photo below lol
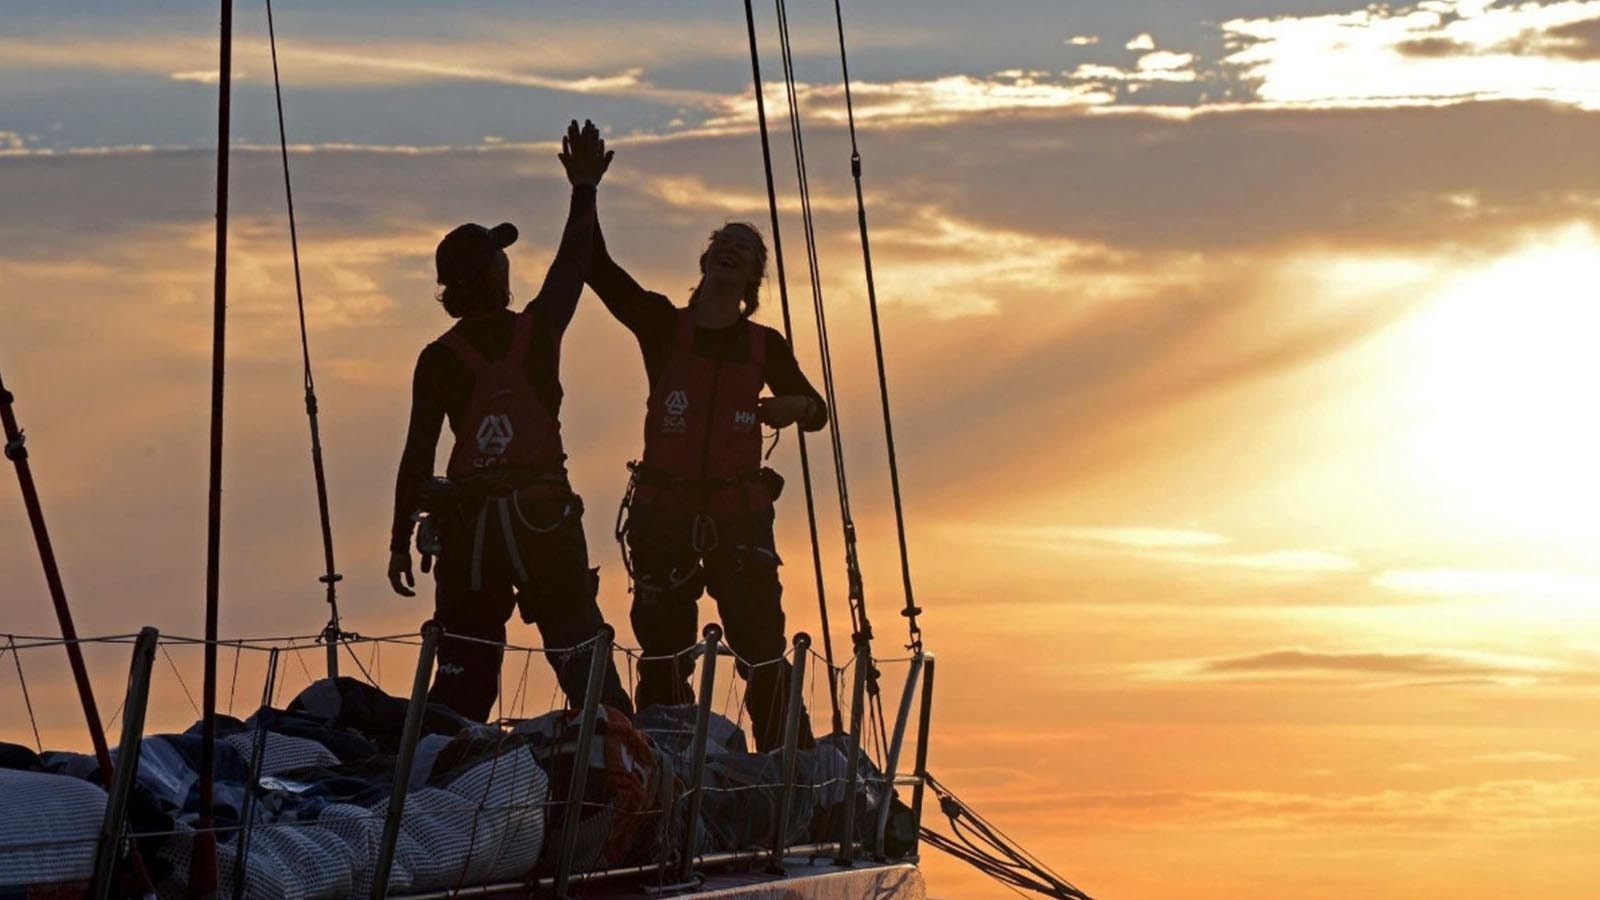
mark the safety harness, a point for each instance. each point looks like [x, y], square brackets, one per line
[702, 440]
[507, 451]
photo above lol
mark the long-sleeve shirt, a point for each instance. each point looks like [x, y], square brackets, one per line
[442, 384]
[652, 318]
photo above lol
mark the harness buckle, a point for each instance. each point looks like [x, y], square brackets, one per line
[428, 541]
[703, 534]
[15, 450]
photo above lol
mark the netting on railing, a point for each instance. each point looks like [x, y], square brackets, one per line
[306, 782]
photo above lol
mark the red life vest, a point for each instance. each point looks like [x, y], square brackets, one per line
[701, 428]
[505, 423]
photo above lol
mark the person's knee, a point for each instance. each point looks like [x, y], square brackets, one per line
[480, 621]
[564, 603]
[747, 587]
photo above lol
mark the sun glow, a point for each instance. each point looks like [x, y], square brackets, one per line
[1500, 396]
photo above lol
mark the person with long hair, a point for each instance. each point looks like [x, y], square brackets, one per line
[700, 505]
[504, 523]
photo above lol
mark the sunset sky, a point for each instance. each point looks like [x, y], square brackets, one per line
[1241, 354]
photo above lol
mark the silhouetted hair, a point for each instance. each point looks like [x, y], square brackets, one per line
[485, 292]
[752, 292]
[474, 274]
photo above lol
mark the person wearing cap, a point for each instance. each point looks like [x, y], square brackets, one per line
[699, 513]
[504, 523]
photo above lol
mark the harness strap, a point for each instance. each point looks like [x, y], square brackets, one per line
[440, 493]
[758, 346]
[477, 362]
[520, 335]
[650, 476]
[511, 540]
[476, 576]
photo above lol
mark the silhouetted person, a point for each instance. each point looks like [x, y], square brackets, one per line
[509, 529]
[701, 516]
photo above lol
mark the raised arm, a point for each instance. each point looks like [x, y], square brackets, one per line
[640, 311]
[416, 465]
[584, 156]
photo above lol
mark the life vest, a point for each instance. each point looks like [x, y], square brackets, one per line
[505, 424]
[701, 433]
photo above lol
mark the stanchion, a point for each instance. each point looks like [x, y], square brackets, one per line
[599, 656]
[923, 725]
[330, 641]
[863, 662]
[697, 749]
[106, 853]
[892, 763]
[258, 747]
[791, 740]
[431, 632]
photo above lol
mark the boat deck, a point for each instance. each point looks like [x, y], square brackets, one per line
[804, 878]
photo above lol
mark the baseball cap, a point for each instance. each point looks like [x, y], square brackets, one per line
[467, 251]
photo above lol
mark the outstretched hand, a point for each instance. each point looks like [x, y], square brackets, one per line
[584, 154]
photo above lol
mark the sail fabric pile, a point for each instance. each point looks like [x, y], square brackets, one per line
[475, 804]
[47, 836]
[480, 800]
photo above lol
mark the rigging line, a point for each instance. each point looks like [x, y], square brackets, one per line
[176, 673]
[856, 587]
[788, 333]
[233, 683]
[819, 309]
[363, 669]
[978, 819]
[116, 714]
[203, 875]
[330, 576]
[300, 658]
[911, 610]
[1014, 863]
[1006, 878]
[22, 680]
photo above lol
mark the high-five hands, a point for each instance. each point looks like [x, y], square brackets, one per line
[584, 154]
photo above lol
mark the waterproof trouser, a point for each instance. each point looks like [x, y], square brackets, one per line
[529, 556]
[739, 569]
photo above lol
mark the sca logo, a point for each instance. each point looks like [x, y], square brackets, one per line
[676, 404]
[494, 435]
